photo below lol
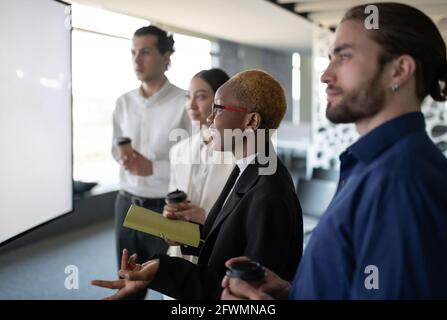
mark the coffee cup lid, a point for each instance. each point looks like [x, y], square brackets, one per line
[123, 140]
[246, 270]
[176, 196]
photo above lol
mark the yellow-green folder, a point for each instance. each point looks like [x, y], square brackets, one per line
[148, 221]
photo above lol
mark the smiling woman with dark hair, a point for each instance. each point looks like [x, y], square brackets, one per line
[257, 215]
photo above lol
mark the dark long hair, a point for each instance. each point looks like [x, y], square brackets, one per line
[214, 77]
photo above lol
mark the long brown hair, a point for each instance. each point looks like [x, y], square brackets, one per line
[406, 30]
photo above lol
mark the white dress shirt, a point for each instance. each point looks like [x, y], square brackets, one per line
[199, 173]
[149, 123]
[242, 165]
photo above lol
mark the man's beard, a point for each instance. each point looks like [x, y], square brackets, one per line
[359, 104]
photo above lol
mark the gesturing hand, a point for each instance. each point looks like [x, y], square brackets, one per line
[135, 277]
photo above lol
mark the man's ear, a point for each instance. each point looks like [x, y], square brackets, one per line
[402, 69]
[253, 120]
[167, 59]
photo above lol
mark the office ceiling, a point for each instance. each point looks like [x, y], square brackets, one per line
[328, 13]
[252, 22]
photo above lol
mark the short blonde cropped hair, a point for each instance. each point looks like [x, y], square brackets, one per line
[259, 92]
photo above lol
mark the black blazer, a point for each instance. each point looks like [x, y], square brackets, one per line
[261, 219]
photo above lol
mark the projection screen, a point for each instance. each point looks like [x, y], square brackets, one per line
[35, 114]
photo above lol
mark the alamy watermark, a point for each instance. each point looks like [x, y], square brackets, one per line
[72, 280]
[262, 141]
[372, 278]
[372, 20]
[67, 21]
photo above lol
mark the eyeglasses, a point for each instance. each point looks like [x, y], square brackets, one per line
[218, 108]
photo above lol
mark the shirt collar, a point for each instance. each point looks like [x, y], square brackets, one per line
[244, 162]
[157, 95]
[371, 145]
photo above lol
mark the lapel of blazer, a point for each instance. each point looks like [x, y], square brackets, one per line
[217, 207]
[214, 184]
[246, 181]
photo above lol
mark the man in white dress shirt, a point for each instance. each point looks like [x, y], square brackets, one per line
[147, 116]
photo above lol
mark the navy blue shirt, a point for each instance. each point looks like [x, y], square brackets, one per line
[384, 235]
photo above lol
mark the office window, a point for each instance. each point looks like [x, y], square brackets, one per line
[320, 65]
[102, 71]
[191, 55]
[296, 86]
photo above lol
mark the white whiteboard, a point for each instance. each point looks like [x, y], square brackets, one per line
[35, 114]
